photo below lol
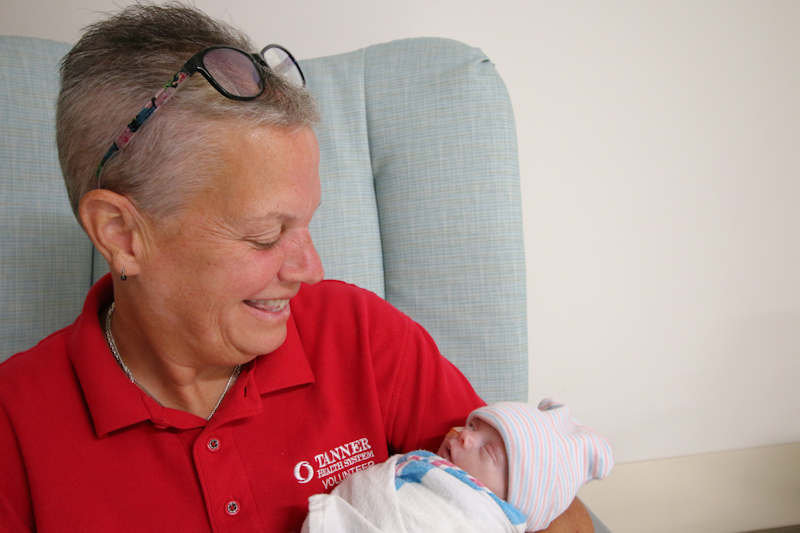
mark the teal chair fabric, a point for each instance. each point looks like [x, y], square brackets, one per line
[430, 125]
[45, 258]
[420, 200]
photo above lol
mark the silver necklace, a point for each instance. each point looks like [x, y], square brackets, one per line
[124, 367]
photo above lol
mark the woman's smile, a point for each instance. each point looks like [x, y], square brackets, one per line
[271, 306]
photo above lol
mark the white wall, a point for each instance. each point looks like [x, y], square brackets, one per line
[661, 189]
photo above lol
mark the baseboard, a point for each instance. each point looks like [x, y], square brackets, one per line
[790, 529]
[726, 492]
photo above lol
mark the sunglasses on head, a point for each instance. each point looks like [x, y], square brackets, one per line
[234, 73]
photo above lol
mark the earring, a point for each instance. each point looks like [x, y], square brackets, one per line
[123, 277]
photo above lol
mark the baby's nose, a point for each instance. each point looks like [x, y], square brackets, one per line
[466, 438]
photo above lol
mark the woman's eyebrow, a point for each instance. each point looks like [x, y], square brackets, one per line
[271, 215]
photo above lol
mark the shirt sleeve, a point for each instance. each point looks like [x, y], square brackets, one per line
[426, 394]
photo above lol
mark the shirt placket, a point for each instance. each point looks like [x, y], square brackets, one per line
[229, 499]
[225, 481]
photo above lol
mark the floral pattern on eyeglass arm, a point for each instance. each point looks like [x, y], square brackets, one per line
[141, 117]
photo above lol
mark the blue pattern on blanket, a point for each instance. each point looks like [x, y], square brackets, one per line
[413, 466]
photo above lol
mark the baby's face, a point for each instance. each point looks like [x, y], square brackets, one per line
[478, 449]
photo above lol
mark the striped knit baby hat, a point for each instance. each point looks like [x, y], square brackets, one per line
[550, 456]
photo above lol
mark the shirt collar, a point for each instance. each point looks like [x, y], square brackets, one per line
[114, 404]
[285, 367]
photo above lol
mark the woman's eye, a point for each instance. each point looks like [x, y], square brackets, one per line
[264, 245]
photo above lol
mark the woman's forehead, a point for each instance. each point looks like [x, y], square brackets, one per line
[267, 174]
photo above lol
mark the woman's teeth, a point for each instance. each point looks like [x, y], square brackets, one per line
[273, 306]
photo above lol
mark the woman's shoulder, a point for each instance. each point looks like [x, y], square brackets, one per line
[341, 306]
[35, 367]
[333, 286]
[339, 296]
[36, 356]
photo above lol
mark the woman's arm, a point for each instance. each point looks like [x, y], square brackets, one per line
[575, 519]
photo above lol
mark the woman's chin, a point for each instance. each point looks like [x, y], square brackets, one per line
[260, 331]
[260, 344]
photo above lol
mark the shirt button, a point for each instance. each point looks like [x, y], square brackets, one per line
[232, 507]
[213, 445]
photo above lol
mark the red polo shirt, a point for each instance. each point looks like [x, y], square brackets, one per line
[84, 449]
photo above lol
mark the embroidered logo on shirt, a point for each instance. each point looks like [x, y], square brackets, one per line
[303, 471]
[337, 464]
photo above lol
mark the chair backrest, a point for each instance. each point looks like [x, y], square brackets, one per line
[420, 199]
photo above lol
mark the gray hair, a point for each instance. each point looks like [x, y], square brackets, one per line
[117, 66]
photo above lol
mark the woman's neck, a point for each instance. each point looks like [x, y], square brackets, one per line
[171, 380]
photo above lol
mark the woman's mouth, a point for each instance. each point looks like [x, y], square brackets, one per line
[270, 306]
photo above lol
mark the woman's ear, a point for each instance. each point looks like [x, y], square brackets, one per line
[114, 225]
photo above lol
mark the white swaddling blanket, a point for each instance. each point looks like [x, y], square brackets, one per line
[415, 492]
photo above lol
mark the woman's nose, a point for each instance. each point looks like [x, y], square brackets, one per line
[302, 262]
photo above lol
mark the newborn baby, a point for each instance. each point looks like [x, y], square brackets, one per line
[512, 467]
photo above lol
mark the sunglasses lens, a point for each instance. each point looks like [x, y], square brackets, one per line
[233, 71]
[283, 64]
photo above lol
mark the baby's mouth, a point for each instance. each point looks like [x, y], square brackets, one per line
[447, 454]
